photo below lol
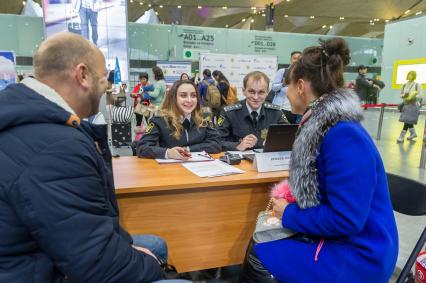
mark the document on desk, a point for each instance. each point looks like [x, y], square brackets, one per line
[195, 157]
[215, 168]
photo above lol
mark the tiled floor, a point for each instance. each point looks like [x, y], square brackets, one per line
[402, 159]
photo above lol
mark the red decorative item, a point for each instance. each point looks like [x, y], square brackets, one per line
[282, 190]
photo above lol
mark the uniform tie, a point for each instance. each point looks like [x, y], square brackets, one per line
[186, 124]
[254, 115]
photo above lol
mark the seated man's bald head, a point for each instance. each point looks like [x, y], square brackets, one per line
[61, 52]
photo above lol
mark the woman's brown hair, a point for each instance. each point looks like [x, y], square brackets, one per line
[171, 113]
[322, 65]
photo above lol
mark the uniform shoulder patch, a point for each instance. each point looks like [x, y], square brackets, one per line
[149, 127]
[271, 106]
[232, 107]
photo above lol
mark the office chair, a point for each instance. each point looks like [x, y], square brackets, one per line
[408, 197]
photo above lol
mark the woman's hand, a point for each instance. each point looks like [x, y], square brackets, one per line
[179, 153]
[279, 207]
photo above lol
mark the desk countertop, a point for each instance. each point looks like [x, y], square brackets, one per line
[132, 175]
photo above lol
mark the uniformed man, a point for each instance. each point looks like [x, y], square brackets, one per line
[245, 124]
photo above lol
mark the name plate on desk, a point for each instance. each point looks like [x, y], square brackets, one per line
[272, 161]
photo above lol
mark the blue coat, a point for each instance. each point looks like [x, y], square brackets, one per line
[58, 211]
[354, 217]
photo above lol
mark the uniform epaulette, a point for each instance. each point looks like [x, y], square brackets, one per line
[235, 106]
[271, 106]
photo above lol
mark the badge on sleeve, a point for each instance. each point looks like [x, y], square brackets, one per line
[264, 133]
[149, 128]
[220, 120]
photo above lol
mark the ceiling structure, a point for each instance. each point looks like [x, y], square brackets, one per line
[365, 18]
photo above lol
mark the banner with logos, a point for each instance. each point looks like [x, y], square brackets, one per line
[235, 67]
[173, 69]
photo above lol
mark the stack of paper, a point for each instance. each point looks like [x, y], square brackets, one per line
[212, 169]
[195, 157]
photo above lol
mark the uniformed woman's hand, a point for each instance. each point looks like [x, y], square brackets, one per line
[178, 152]
[248, 141]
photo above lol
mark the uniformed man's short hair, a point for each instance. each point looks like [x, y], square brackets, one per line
[255, 75]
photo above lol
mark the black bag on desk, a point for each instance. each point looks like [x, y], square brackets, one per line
[121, 134]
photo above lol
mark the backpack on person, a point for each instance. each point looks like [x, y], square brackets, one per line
[213, 97]
[232, 97]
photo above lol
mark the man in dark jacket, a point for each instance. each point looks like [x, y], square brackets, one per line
[59, 214]
[362, 85]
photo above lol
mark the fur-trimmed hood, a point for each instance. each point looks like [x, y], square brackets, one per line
[341, 105]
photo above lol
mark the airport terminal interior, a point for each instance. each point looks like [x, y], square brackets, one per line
[247, 135]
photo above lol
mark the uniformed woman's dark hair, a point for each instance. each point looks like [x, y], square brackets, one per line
[171, 113]
[322, 65]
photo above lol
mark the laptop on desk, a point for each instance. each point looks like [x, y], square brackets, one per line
[280, 137]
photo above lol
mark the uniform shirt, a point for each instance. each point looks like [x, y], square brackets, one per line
[235, 122]
[159, 137]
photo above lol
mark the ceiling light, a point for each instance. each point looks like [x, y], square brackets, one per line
[161, 6]
[149, 5]
[253, 8]
[418, 13]
[312, 17]
[285, 16]
[371, 24]
[324, 26]
[224, 7]
[406, 12]
[156, 13]
[243, 20]
[263, 15]
[330, 27]
[288, 0]
[141, 3]
[131, 1]
[341, 18]
[179, 6]
[371, 21]
[252, 20]
[227, 26]
[23, 3]
[199, 7]
[387, 21]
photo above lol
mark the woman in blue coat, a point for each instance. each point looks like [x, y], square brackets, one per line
[343, 214]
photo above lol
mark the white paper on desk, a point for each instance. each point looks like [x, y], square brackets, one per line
[212, 169]
[195, 157]
[241, 153]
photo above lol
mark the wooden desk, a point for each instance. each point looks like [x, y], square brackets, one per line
[207, 222]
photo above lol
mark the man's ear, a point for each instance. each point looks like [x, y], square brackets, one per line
[82, 75]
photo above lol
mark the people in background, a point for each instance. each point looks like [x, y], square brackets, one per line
[245, 124]
[362, 84]
[156, 92]
[60, 220]
[143, 81]
[184, 77]
[279, 89]
[88, 12]
[179, 128]
[343, 216]
[222, 84]
[411, 94]
[204, 83]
